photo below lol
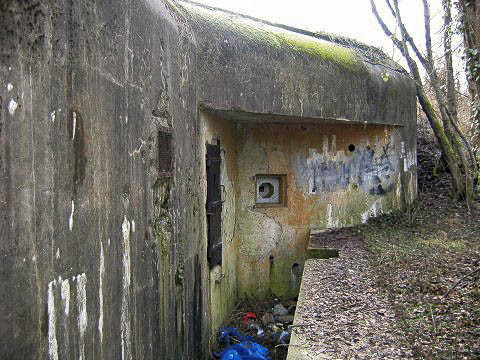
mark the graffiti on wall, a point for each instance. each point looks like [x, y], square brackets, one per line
[374, 170]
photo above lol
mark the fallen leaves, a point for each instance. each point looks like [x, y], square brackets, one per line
[346, 314]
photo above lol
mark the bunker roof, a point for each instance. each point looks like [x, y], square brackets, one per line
[247, 65]
[279, 38]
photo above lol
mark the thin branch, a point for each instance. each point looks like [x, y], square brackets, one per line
[447, 43]
[462, 94]
[435, 81]
[402, 29]
[411, 63]
[467, 145]
[385, 28]
[428, 37]
[429, 64]
[433, 320]
[459, 281]
[407, 35]
[391, 8]
[256, 312]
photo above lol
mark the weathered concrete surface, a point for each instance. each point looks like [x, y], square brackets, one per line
[328, 186]
[255, 67]
[98, 258]
[223, 279]
[255, 71]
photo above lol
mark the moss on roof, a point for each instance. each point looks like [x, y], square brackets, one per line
[350, 55]
[344, 57]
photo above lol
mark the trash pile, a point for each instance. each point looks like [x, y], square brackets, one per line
[256, 330]
[245, 349]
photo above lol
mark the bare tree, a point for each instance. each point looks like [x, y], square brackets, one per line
[455, 148]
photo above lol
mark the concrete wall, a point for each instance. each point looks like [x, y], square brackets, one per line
[99, 258]
[223, 279]
[251, 72]
[327, 186]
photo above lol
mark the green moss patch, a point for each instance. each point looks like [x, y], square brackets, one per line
[341, 56]
[212, 22]
[321, 253]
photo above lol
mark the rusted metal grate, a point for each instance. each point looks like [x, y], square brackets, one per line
[165, 153]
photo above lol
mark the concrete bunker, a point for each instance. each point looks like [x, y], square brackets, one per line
[324, 122]
[298, 152]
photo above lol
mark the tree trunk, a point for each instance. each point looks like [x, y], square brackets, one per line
[459, 183]
[470, 10]
[447, 44]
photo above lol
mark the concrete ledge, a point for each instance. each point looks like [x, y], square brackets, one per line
[319, 252]
[340, 311]
[297, 349]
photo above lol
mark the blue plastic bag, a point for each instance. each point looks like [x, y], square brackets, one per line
[225, 333]
[246, 350]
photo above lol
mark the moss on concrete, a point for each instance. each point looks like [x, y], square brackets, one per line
[339, 55]
[162, 221]
[357, 202]
[392, 93]
[161, 239]
[280, 270]
[213, 22]
[321, 253]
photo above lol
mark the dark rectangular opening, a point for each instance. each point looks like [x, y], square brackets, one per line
[214, 205]
[165, 152]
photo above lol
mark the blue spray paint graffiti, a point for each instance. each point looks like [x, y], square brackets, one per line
[374, 173]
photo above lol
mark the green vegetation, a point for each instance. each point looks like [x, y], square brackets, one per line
[162, 222]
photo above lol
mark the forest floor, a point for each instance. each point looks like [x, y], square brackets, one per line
[425, 260]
